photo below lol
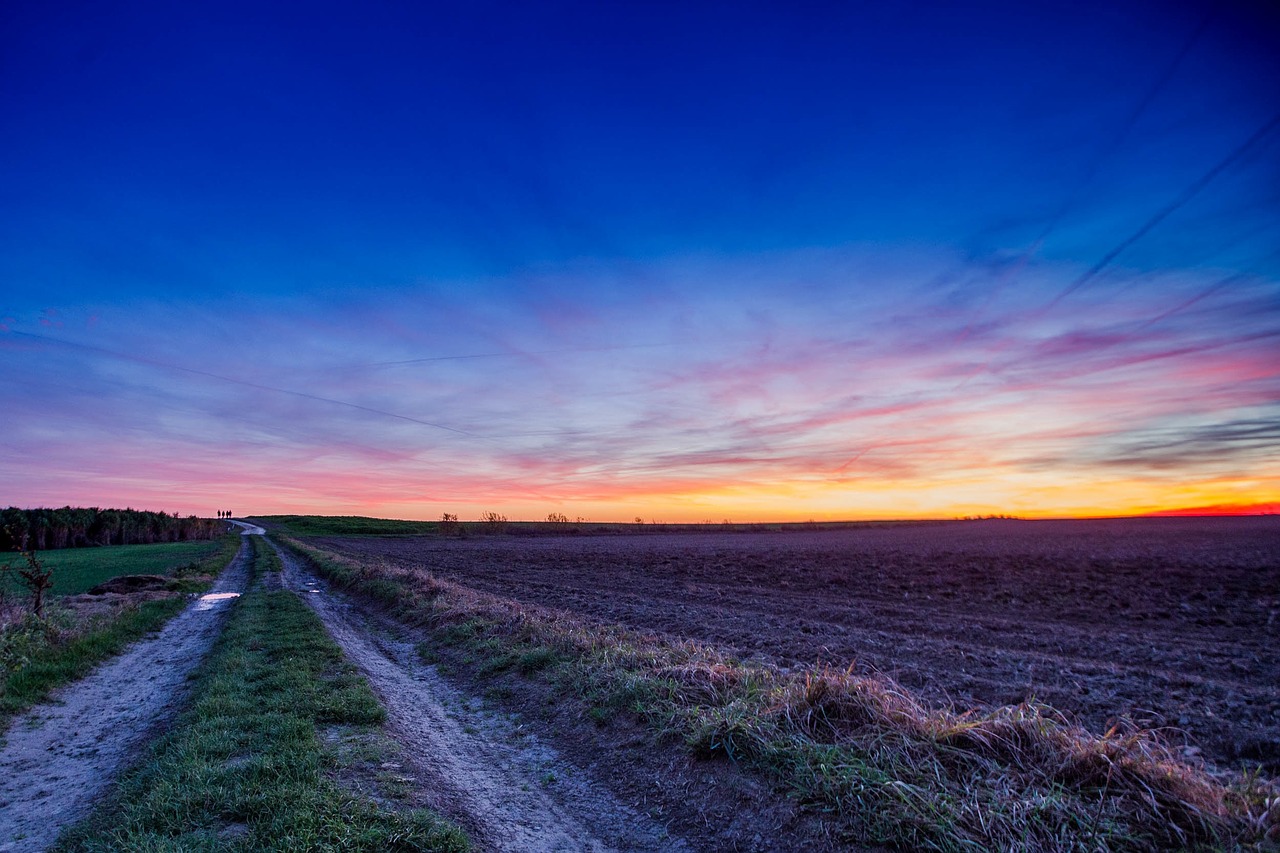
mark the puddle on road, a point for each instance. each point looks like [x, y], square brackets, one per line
[213, 599]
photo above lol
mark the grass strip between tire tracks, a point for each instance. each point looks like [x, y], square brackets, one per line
[38, 657]
[245, 768]
[884, 768]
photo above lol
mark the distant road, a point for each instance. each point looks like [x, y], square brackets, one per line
[248, 529]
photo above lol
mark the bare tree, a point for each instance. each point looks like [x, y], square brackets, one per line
[494, 522]
[38, 579]
[35, 575]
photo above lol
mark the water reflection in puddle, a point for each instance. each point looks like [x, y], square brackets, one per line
[213, 599]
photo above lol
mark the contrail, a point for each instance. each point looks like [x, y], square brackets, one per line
[1195, 188]
[517, 354]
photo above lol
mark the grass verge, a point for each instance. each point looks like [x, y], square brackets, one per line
[884, 768]
[245, 767]
[37, 657]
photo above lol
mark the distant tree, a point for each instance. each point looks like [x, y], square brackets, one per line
[449, 525]
[495, 522]
[558, 518]
[74, 527]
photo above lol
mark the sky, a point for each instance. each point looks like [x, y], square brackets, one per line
[676, 262]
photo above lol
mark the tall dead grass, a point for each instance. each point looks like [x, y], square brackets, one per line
[888, 769]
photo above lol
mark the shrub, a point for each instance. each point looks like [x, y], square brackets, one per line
[494, 522]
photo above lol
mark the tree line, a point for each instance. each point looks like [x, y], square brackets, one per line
[79, 527]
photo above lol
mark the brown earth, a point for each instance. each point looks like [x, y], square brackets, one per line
[1171, 623]
[125, 584]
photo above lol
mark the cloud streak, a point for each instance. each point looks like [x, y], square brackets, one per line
[849, 399]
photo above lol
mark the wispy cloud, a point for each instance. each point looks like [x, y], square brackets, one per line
[730, 385]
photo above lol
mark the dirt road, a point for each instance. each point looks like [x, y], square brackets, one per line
[511, 792]
[247, 529]
[61, 756]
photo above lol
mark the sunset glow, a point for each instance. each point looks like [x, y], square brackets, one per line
[788, 272]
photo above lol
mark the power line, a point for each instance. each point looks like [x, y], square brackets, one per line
[1126, 126]
[1102, 155]
[1194, 189]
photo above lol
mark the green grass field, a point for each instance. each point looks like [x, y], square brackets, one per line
[349, 525]
[356, 525]
[77, 569]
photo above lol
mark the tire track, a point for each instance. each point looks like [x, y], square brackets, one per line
[59, 757]
[518, 797]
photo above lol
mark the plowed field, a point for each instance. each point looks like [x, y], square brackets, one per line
[1169, 622]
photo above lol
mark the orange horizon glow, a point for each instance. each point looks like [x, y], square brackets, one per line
[775, 503]
[1220, 510]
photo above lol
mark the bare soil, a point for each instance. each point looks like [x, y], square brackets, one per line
[58, 758]
[1168, 622]
[509, 789]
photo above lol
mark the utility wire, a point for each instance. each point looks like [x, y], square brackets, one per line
[1194, 189]
[1126, 126]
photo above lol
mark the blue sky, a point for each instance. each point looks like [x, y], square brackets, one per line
[671, 260]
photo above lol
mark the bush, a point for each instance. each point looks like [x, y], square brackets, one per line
[494, 523]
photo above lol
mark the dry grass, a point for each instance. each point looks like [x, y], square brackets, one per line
[885, 768]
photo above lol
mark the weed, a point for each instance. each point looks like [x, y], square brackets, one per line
[498, 693]
[426, 654]
[536, 659]
[496, 663]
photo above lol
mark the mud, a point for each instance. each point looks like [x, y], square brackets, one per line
[58, 758]
[511, 791]
[126, 584]
[1171, 623]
